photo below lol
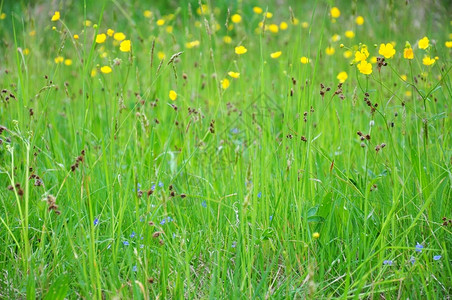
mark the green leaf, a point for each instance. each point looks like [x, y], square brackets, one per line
[58, 289]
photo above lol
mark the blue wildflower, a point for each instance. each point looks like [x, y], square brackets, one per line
[204, 204]
[125, 243]
[138, 186]
[234, 244]
[153, 187]
[163, 222]
[412, 260]
[271, 217]
[133, 234]
[419, 247]
[259, 194]
[388, 262]
[134, 268]
[160, 184]
[235, 130]
[96, 221]
[437, 257]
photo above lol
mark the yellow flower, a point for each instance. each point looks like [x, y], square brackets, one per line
[359, 20]
[257, 10]
[428, 61]
[147, 13]
[283, 25]
[305, 25]
[448, 44]
[161, 55]
[269, 15]
[192, 44]
[364, 67]
[26, 51]
[204, 9]
[336, 37]
[361, 55]
[172, 95]
[329, 50]
[32, 33]
[87, 23]
[59, 59]
[408, 53]
[56, 16]
[225, 83]
[349, 34]
[348, 53]
[373, 60]
[105, 69]
[275, 54]
[53, 28]
[294, 21]
[119, 36]
[273, 28]
[2, 16]
[125, 46]
[93, 72]
[404, 77]
[100, 38]
[316, 235]
[234, 74]
[342, 76]
[76, 37]
[169, 29]
[68, 62]
[407, 94]
[423, 43]
[387, 50]
[335, 12]
[104, 54]
[304, 60]
[240, 50]
[160, 22]
[227, 39]
[236, 18]
[110, 32]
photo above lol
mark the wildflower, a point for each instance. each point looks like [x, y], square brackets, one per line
[412, 260]
[257, 10]
[234, 74]
[96, 221]
[335, 12]
[240, 50]
[93, 72]
[273, 28]
[105, 69]
[349, 34]
[304, 25]
[269, 15]
[271, 217]
[387, 50]
[125, 46]
[364, 67]
[53, 28]
[316, 235]
[27, 51]
[32, 33]
[342, 76]
[110, 32]
[227, 39]
[225, 83]
[160, 22]
[437, 257]
[119, 36]
[161, 183]
[348, 53]
[172, 96]
[133, 234]
[407, 94]
[404, 77]
[419, 247]
[361, 55]
[295, 21]
[423, 43]
[100, 38]
[59, 59]
[161, 55]
[428, 61]
[67, 62]
[304, 60]
[259, 195]
[275, 54]
[204, 204]
[56, 16]
[203, 9]
[76, 37]
[134, 268]
[329, 50]
[169, 29]
[236, 18]
[408, 53]
[373, 60]
[87, 23]
[192, 44]
[336, 37]
[125, 243]
[234, 244]
[2, 16]
[388, 262]
[147, 14]
[448, 44]
[283, 25]
[359, 20]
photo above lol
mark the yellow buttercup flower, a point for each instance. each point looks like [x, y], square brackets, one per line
[105, 69]
[448, 44]
[161, 55]
[275, 54]
[408, 53]
[348, 53]
[236, 18]
[330, 51]
[100, 38]
[336, 37]
[147, 13]
[234, 74]
[125, 46]
[56, 16]
[428, 61]
[373, 60]
[423, 43]
[362, 54]
[257, 10]
[387, 50]
[172, 95]
[335, 12]
[225, 83]
[110, 32]
[240, 50]
[59, 59]
[269, 15]
[349, 34]
[316, 235]
[160, 22]
[273, 28]
[68, 62]
[169, 29]
[192, 44]
[404, 77]
[87, 23]
[227, 39]
[283, 25]
[304, 60]
[342, 76]
[119, 36]
[359, 20]
[304, 25]
[76, 37]
[365, 68]
[2, 16]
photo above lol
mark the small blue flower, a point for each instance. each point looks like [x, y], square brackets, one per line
[138, 186]
[125, 243]
[96, 221]
[134, 268]
[259, 194]
[204, 204]
[388, 262]
[133, 234]
[419, 247]
[141, 246]
[160, 184]
[153, 187]
[109, 246]
[271, 217]
[234, 244]
[235, 130]
[163, 222]
[412, 260]
[437, 257]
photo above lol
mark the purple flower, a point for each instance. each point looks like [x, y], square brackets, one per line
[259, 194]
[388, 262]
[419, 247]
[96, 221]
[204, 204]
[437, 257]
[153, 187]
[133, 234]
[125, 243]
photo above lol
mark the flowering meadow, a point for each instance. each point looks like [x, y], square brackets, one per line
[225, 149]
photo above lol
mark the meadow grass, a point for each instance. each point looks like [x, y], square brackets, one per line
[140, 167]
